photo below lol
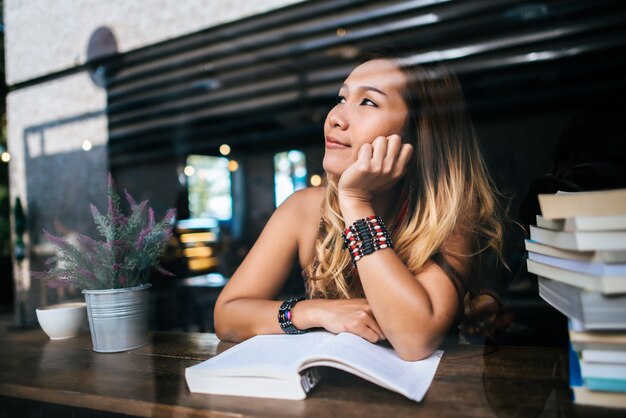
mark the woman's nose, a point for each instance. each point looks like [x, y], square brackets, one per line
[337, 119]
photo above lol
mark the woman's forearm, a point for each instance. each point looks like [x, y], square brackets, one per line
[243, 318]
[401, 305]
[240, 319]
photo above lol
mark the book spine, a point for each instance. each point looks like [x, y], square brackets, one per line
[582, 340]
[608, 385]
[575, 375]
[584, 396]
[595, 203]
[309, 378]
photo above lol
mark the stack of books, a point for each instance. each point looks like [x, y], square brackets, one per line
[578, 251]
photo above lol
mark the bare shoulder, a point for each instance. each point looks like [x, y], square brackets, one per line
[305, 209]
[305, 203]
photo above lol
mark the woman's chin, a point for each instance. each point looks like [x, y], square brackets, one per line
[331, 166]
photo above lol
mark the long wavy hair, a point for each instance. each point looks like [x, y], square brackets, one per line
[446, 191]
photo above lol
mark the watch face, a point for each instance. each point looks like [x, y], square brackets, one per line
[284, 316]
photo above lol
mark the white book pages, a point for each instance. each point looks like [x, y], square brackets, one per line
[580, 241]
[378, 364]
[584, 223]
[286, 366]
[611, 257]
[603, 370]
[277, 356]
[605, 356]
[595, 269]
[603, 284]
[589, 310]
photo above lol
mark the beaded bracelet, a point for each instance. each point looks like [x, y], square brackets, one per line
[284, 316]
[365, 236]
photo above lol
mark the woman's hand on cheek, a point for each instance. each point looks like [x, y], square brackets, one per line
[378, 167]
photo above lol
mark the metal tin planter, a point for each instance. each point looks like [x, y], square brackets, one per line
[118, 318]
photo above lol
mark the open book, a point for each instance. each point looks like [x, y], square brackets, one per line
[286, 366]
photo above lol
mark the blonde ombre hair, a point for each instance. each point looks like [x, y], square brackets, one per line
[446, 192]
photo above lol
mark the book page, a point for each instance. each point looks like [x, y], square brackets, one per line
[264, 355]
[378, 364]
[585, 267]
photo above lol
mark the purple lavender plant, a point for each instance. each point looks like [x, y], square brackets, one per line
[131, 248]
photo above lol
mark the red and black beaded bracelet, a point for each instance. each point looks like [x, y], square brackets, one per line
[365, 236]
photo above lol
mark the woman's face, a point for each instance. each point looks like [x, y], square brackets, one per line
[370, 104]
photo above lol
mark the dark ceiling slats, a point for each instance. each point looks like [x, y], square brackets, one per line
[271, 78]
[300, 39]
[291, 27]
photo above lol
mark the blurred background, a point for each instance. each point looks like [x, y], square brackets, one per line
[217, 108]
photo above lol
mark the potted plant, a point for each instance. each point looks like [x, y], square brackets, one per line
[113, 273]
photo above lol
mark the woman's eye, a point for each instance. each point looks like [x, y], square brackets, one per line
[341, 99]
[368, 102]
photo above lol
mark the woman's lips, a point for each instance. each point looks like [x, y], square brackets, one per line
[332, 143]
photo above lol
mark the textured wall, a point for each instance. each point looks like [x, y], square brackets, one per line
[44, 36]
[51, 173]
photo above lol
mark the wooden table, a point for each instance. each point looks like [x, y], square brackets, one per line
[66, 378]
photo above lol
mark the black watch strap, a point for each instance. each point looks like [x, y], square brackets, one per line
[284, 316]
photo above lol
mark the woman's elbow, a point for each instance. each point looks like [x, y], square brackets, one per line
[414, 349]
[223, 330]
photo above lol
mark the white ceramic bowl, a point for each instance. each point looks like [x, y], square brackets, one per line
[63, 320]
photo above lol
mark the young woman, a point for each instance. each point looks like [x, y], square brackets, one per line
[399, 146]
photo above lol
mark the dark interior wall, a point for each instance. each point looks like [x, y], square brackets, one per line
[518, 148]
[157, 182]
[258, 172]
[259, 186]
[258, 178]
[315, 156]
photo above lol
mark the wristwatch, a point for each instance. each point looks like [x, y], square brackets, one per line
[284, 316]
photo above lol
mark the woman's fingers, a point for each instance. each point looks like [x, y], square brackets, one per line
[364, 325]
[369, 334]
[394, 144]
[365, 157]
[373, 325]
[354, 316]
[368, 330]
[403, 159]
[379, 153]
[378, 166]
